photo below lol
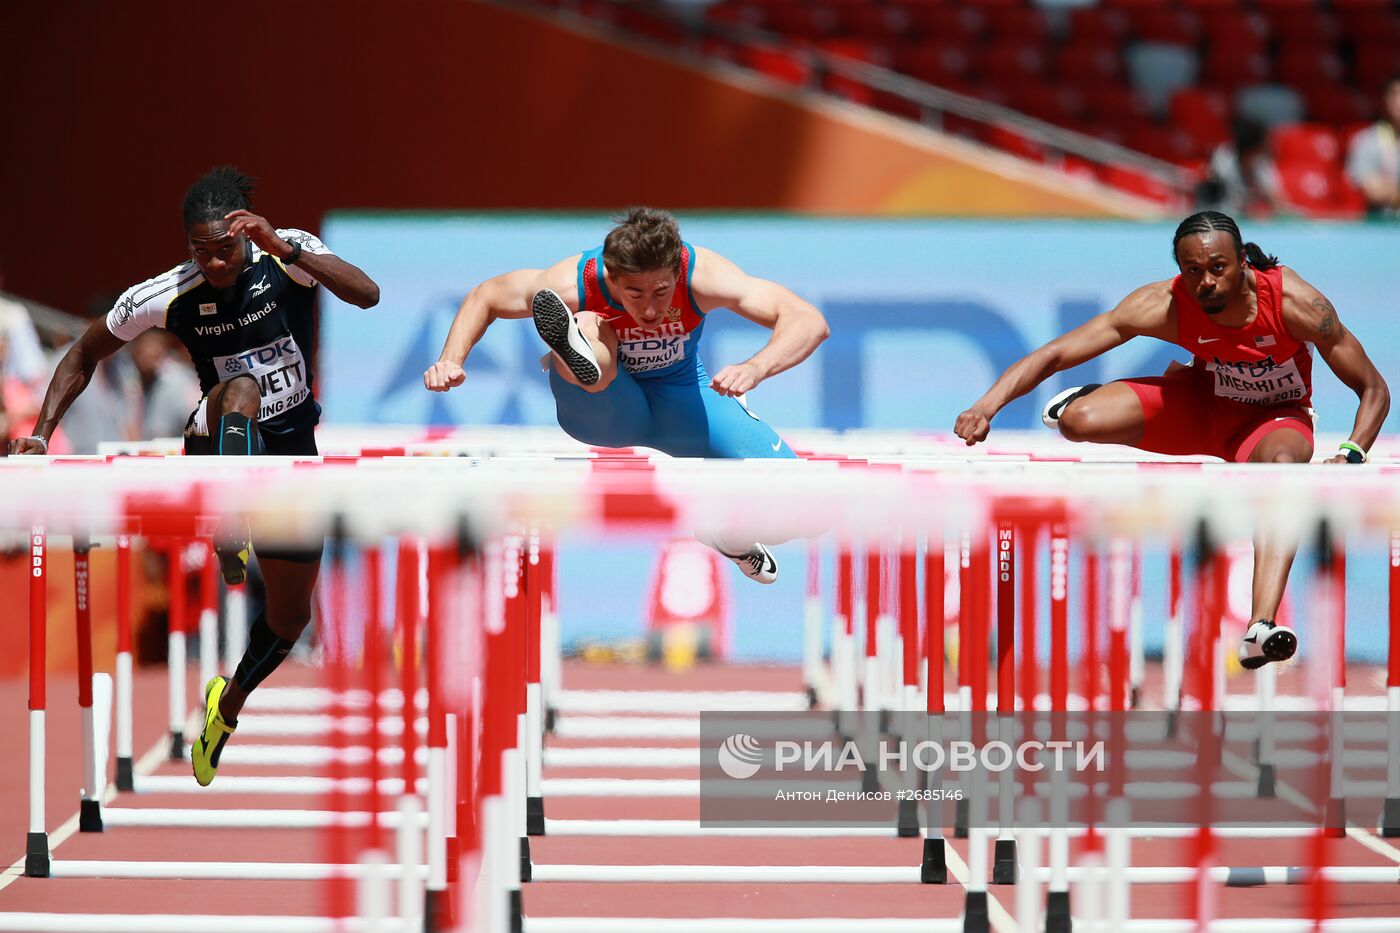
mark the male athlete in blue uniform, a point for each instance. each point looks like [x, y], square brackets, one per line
[624, 321]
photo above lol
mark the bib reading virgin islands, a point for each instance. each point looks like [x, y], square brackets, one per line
[262, 327]
[1260, 364]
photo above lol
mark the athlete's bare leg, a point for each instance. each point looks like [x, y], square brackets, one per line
[1111, 414]
[603, 339]
[1273, 550]
[289, 587]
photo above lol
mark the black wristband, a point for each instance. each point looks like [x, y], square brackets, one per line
[296, 252]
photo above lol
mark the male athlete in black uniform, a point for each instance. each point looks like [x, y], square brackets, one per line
[242, 305]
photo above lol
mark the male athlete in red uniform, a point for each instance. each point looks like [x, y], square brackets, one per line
[1244, 397]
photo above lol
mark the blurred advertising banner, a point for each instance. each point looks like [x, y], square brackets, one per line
[924, 314]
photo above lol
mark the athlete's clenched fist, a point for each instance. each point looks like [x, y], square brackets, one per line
[443, 375]
[972, 426]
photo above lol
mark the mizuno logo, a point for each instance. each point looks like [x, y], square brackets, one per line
[237, 432]
[1207, 339]
[258, 289]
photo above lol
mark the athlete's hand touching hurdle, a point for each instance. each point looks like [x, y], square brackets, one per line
[972, 426]
[442, 376]
[737, 379]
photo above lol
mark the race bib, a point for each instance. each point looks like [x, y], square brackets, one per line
[640, 351]
[280, 371]
[1264, 382]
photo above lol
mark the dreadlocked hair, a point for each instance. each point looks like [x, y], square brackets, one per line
[215, 193]
[1210, 221]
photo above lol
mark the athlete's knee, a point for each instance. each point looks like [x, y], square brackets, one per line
[1081, 420]
[1285, 455]
[289, 625]
[242, 395]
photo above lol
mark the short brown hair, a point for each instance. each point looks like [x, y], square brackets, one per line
[646, 239]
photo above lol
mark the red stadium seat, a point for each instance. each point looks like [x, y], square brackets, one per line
[799, 20]
[1135, 182]
[870, 21]
[1373, 64]
[1097, 23]
[1017, 24]
[777, 62]
[1165, 24]
[948, 24]
[1370, 24]
[1013, 142]
[1304, 23]
[1319, 190]
[1305, 64]
[1061, 106]
[1011, 63]
[1116, 104]
[1086, 62]
[1337, 104]
[1305, 144]
[1160, 142]
[939, 64]
[1203, 114]
[1226, 69]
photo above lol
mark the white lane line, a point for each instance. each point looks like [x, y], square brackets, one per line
[143, 766]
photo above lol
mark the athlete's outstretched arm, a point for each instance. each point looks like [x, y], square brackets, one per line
[70, 377]
[505, 296]
[1310, 316]
[798, 327]
[344, 280]
[1144, 312]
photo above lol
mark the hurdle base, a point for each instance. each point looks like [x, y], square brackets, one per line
[870, 781]
[126, 775]
[1390, 818]
[934, 869]
[1171, 724]
[517, 912]
[907, 825]
[534, 816]
[960, 818]
[527, 867]
[883, 726]
[437, 911]
[90, 816]
[177, 745]
[812, 698]
[975, 916]
[36, 855]
[550, 717]
[1057, 918]
[1004, 862]
[1268, 780]
[1334, 821]
[1134, 697]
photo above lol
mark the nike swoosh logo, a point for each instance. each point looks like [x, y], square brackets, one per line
[778, 446]
[1204, 340]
